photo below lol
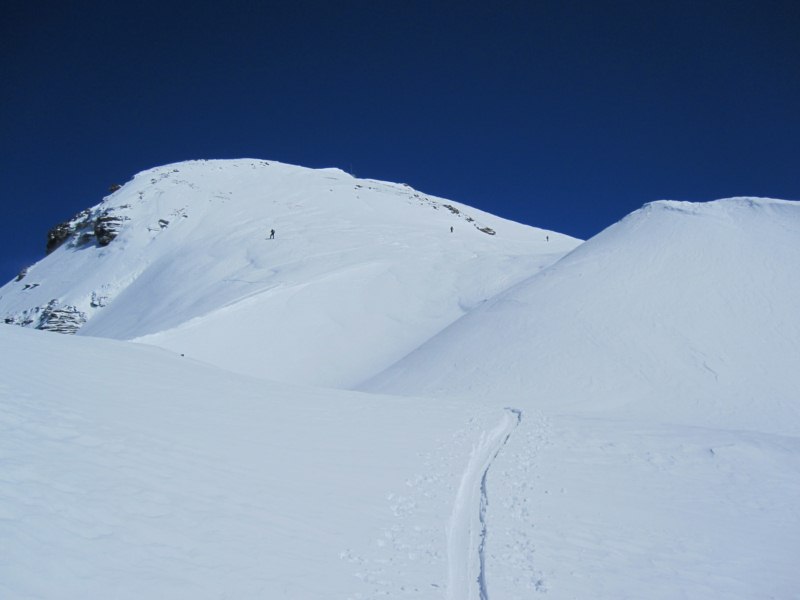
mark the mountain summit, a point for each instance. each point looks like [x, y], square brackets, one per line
[359, 273]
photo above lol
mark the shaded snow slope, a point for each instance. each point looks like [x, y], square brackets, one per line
[360, 272]
[684, 311]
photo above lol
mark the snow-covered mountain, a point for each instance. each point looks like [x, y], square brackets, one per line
[617, 418]
[360, 272]
[686, 311]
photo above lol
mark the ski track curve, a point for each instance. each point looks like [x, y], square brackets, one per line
[467, 532]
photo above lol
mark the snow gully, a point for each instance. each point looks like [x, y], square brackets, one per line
[467, 532]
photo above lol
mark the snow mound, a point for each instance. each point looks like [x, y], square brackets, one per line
[681, 310]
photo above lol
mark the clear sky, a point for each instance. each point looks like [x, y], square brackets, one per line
[565, 114]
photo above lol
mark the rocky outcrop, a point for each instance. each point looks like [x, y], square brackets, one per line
[61, 319]
[23, 319]
[26, 318]
[99, 300]
[53, 316]
[58, 235]
[107, 227]
[76, 227]
[87, 227]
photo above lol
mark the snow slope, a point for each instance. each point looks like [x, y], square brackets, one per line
[361, 272]
[683, 312]
[130, 472]
[622, 423]
[657, 370]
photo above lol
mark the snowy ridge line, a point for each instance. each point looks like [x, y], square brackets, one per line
[467, 532]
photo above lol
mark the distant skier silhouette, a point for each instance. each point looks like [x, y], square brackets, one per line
[451, 229]
[272, 234]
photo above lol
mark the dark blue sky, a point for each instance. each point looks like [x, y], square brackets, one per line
[564, 115]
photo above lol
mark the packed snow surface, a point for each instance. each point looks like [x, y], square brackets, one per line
[129, 472]
[615, 419]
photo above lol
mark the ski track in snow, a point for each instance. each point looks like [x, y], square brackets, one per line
[467, 533]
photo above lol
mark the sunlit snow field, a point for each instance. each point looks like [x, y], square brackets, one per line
[372, 405]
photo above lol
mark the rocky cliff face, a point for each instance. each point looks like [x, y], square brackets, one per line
[107, 227]
[88, 226]
[75, 227]
[92, 226]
